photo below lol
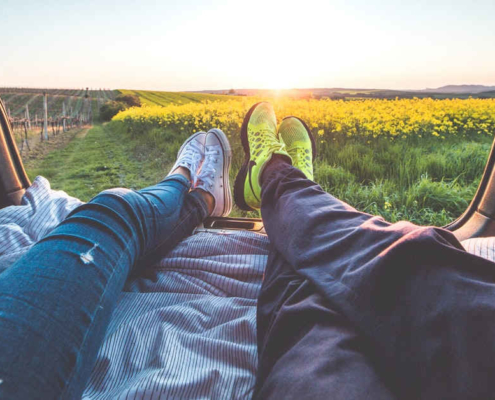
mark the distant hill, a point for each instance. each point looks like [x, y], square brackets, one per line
[460, 89]
[488, 94]
[445, 92]
[299, 93]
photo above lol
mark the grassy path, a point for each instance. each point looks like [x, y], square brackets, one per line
[85, 162]
[95, 160]
[38, 149]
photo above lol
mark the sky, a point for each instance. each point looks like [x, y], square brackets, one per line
[219, 44]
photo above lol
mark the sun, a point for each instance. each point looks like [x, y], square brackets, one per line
[278, 80]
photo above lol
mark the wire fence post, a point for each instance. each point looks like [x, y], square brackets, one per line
[27, 116]
[25, 139]
[45, 108]
[63, 116]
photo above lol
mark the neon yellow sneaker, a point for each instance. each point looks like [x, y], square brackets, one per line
[299, 143]
[260, 142]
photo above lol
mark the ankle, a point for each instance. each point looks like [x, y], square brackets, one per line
[183, 171]
[209, 200]
[277, 161]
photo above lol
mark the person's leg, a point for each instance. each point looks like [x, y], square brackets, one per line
[306, 349]
[56, 301]
[423, 307]
[413, 312]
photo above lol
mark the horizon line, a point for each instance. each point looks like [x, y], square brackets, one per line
[244, 88]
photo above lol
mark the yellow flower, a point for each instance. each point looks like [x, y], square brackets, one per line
[365, 118]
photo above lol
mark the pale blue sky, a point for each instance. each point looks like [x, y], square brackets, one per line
[219, 44]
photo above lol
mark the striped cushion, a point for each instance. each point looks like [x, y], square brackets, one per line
[482, 247]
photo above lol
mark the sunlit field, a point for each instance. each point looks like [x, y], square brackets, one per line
[418, 159]
[154, 98]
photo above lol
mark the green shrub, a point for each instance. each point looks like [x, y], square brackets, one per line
[110, 109]
[130, 99]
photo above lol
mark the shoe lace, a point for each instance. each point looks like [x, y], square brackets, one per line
[271, 143]
[276, 146]
[192, 157]
[207, 175]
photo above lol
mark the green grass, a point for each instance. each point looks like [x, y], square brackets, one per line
[165, 98]
[427, 182]
[98, 161]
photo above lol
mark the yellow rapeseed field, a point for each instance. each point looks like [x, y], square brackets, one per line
[414, 159]
[328, 119]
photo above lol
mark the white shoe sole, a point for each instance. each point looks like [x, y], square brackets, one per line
[227, 159]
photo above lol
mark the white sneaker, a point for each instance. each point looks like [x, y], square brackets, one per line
[191, 155]
[214, 175]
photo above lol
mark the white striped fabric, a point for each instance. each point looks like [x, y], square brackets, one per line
[483, 247]
[184, 328]
[40, 211]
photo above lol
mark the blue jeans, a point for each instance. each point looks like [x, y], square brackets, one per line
[57, 300]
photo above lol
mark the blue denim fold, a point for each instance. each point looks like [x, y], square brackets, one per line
[57, 300]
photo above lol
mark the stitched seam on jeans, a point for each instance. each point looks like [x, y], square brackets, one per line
[198, 200]
[171, 233]
[71, 376]
[181, 201]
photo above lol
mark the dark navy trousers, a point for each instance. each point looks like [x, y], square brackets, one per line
[353, 307]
